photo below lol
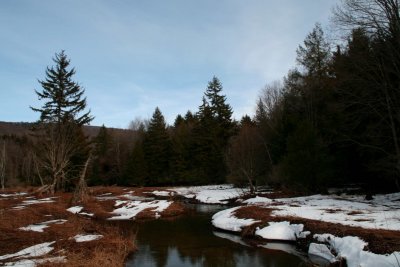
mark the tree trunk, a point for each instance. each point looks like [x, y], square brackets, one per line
[81, 191]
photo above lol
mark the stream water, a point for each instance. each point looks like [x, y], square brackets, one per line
[190, 240]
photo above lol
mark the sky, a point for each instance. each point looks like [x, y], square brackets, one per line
[131, 56]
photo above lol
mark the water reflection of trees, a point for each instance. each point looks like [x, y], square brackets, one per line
[190, 242]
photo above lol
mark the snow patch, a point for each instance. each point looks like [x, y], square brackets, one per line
[17, 194]
[225, 220]
[258, 200]
[132, 208]
[351, 248]
[75, 209]
[86, 238]
[282, 231]
[38, 201]
[162, 193]
[33, 251]
[34, 262]
[38, 227]
[214, 194]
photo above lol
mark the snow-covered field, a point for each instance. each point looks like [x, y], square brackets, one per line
[226, 220]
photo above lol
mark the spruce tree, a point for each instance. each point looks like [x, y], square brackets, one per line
[156, 148]
[63, 97]
[217, 102]
[212, 134]
[61, 146]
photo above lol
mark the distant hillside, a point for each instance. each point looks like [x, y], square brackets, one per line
[23, 128]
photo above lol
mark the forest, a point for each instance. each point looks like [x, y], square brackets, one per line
[333, 120]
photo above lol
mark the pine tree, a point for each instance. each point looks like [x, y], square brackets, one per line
[314, 56]
[219, 108]
[61, 146]
[102, 167]
[64, 97]
[156, 149]
[212, 134]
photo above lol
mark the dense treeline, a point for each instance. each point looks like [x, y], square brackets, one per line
[333, 120]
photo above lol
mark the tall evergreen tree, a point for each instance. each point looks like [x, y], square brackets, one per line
[103, 167]
[211, 134]
[62, 147]
[157, 150]
[63, 97]
[314, 56]
[221, 111]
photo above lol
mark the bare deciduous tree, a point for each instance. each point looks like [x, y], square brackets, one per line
[246, 161]
[55, 150]
[374, 16]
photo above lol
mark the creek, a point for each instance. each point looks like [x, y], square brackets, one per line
[190, 240]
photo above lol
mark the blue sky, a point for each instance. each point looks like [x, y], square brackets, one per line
[134, 55]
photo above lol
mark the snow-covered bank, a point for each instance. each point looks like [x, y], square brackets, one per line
[380, 213]
[226, 220]
[283, 231]
[210, 194]
[351, 249]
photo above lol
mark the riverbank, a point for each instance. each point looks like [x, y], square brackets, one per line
[37, 230]
[336, 228]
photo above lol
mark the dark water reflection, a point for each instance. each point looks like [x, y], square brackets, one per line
[190, 241]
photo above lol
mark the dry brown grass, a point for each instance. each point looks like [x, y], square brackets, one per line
[111, 250]
[115, 190]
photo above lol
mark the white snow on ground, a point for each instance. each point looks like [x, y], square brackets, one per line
[78, 210]
[75, 209]
[381, 213]
[227, 221]
[211, 194]
[258, 200]
[34, 227]
[38, 201]
[132, 208]
[282, 231]
[33, 251]
[40, 226]
[162, 193]
[32, 201]
[17, 194]
[351, 248]
[86, 238]
[34, 262]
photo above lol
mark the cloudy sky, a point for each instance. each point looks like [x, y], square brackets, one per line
[134, 55]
